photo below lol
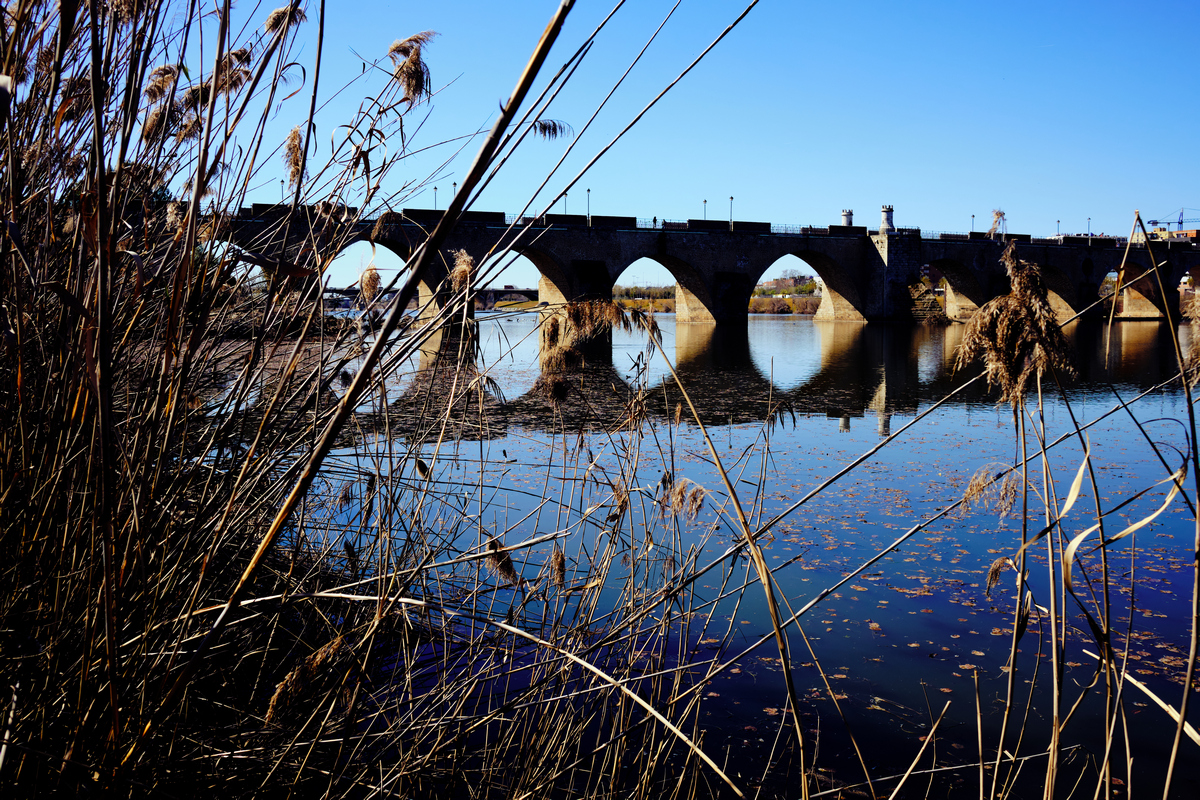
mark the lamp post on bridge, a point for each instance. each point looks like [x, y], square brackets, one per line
[972, 223]
[589, 206]
[564, 203]
[1058, 227]
[730, 212]
[706, 209]
[454, 188]
[435, 198]
[1089, 226]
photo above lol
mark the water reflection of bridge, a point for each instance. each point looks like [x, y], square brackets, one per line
[863, 370]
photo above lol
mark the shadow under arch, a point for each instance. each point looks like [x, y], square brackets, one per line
[1068, 297]
[554, 288]
[841, 297]
[965, 293]
[694, 301]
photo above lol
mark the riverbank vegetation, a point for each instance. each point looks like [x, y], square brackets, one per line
[250, 554]
[758, 305]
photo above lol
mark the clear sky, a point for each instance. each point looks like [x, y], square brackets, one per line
[1049, 111]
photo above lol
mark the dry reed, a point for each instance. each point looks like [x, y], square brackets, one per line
[300, 680]
[1017, 335]
[161, 400]
[409, 66]
[500, 563]
[462, 274]
[993, 487]
[369, 284]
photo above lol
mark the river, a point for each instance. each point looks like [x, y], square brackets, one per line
[788, 404]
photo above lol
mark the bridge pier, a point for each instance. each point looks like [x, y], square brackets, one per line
[959, 307]
[1145, 301]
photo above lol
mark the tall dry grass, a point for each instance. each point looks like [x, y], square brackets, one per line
[198, 596]
[237, 555]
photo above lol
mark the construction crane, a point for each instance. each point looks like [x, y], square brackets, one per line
[1179, 222]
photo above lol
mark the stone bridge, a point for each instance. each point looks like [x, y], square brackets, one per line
[717, 264]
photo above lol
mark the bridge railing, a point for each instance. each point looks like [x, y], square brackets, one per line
[643, 223]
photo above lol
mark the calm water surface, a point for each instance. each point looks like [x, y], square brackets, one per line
[789, 402]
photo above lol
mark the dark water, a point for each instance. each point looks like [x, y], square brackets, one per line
[788, 403]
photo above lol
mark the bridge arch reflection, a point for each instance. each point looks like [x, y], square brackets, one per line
[853, 371]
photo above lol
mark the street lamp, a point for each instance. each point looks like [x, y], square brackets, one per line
[281, 190]
[1089, 226]
[706, 209]
[730, 212]
[589, 206]
[564, 202]
[972, 223]
[1058, 227]
[435, 198]
[454, 186]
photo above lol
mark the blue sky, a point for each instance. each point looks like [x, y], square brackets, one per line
[1050, 111]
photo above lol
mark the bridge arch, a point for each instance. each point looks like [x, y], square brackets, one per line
[554, 287]
[965, 293]
[390, 256]
[841, 297]
[694, 301]
[1068, 297]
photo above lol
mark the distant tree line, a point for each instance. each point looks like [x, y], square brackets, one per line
[643, 292]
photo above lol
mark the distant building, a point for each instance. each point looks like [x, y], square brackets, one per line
[1161, 234]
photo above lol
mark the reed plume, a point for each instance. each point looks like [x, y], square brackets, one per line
[160, 82]
[410, 70]
[551, 128]
[159, 122]
[685, 497]
[995, 571]
[1191, 312]
[293, 156]
[993, 487]
[1017, 335]
[997, 223]
[300, 679]
[231, 72]
[369, 284]
[499, 562]
[463, 272]
[283, 18]
[558, 567]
